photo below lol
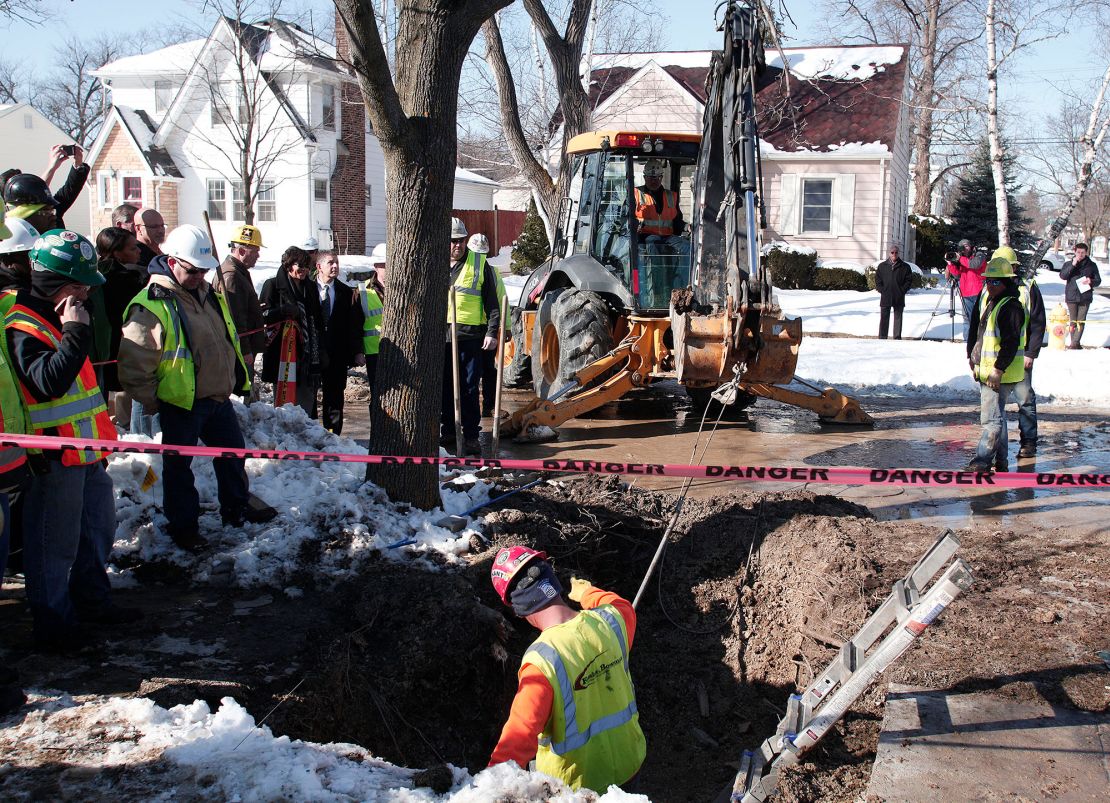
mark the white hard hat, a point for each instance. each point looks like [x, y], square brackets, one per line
[378, 254]
[478, 244]
[653, 168]
[191, 244]
[23, 236]
[310, 244]
[458, 229]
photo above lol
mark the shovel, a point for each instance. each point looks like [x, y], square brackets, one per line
[500, 379]
[457, 523]
[455, 377]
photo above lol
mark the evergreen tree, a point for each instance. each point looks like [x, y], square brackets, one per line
[532, 247]
[976, 214]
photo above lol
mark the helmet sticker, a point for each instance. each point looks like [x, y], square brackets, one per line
[50, 240]
[87, 250]
[68, 236]
[61, 254]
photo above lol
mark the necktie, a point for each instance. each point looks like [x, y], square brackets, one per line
[327, 303]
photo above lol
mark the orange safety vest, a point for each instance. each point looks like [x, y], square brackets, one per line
[655, 221]
[78, 413]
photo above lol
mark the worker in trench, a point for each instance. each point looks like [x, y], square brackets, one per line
[575, 708]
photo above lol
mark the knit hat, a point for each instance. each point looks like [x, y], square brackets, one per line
[538, 588]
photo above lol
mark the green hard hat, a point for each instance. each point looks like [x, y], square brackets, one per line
[69, 254]
[999, 268]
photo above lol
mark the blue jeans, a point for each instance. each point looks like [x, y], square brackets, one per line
[69, 524]
[213, 422]
[470, 380]
[969, 305]
[993, 447]
[1026, 398]
[141, 423]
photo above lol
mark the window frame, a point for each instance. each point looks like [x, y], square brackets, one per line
[238, 204]
[104, 189]
[316, 184]
[830, 231]
[266, 202]
[210, 184]
[162, 102]
[328, 115]
[124, 198]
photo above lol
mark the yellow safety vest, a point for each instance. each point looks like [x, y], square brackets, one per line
[468, 292]
[371, 318]
[177, 374]
[80, 412]
[1015, 371]
[13, 418]
[593, 737]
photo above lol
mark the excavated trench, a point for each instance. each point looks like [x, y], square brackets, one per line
[753, 593]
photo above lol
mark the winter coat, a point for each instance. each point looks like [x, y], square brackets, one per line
[970, 272]
[123, 283]
[893, 281]
[218, 373]
[343, 328]
[1072, 272]
[146, 254]
[65, 197]
[233, 279]
[1034, 332]
[286, 300]
[10, 280]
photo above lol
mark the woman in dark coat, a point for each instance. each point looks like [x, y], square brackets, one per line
[294, 359]
[1082, 277]
[119, 252]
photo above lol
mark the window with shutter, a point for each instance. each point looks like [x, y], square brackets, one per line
[788, 204]
[817, 203]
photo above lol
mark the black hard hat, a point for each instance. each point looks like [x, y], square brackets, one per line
[27, 188]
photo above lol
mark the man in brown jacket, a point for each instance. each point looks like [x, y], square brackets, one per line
[234, 280]
[179, 356]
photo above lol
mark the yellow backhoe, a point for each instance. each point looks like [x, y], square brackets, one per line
[622, 304]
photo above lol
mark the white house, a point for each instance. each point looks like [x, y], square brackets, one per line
[25, 141]
[836, 170]
[184, 116]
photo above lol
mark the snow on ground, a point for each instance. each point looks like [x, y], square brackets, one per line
[326, 502]
[187, 750]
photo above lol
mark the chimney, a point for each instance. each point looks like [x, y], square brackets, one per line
[348, 184]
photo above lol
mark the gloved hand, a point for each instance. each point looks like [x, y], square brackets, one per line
[578, 587]
[994, 380]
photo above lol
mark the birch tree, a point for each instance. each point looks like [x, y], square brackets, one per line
[414, 116]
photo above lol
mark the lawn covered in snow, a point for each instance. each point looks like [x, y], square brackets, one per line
[188, 752]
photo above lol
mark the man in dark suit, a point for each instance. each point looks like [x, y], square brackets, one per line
[342, 340]
[893, 279]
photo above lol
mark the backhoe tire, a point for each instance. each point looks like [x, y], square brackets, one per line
[518, 371]
[573, 328]
[701, 398]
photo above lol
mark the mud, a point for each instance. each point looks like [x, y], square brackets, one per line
[754, 593]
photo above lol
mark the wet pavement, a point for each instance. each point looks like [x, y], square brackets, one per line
[657, 426]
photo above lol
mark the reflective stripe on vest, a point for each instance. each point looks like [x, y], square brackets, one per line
[652, 220]
[13, 418]
[78, 413]
[585, 742]
[176, 373]
[992, 342]
[371, 318]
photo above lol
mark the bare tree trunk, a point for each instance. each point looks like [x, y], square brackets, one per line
[1002, 205]
[1091, 141]
[924, 100]
[414, 118]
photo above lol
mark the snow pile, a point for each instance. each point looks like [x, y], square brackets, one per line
[789, 248]
[837, 63]
[329, 520]
[133, 748]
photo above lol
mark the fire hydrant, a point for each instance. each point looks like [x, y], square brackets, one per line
[1058, 321]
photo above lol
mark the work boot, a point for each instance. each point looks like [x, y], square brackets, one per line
[1028, 450]
[978, 467]
[110, 614]
[188, 538]
[1001, 465]
[472, 446]
[71, 642]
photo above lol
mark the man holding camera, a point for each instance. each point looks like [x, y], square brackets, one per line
[965, 266]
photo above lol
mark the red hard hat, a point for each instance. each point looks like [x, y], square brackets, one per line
[508, 562]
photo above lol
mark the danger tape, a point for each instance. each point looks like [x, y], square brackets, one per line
[830, 475]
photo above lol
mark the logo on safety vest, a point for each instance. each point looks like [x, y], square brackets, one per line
[586, 677]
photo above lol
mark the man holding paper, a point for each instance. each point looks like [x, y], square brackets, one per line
[1081, 275]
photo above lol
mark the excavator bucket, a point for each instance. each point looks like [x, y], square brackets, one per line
[777, 358]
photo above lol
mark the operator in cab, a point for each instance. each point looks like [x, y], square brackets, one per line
[660, 226]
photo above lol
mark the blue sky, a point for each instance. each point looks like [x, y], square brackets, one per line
[1034, 84]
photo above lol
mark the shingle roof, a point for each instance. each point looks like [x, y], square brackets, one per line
[142, 130]
[828, 111]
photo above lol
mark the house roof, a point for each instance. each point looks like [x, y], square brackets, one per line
[175, 59]
[470, 177]
[139, 129]
[845, 99]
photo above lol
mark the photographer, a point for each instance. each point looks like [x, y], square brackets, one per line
[966, 265]
[75, 181]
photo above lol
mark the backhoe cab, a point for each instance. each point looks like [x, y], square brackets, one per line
[627, 299]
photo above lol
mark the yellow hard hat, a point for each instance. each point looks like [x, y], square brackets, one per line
[1006, 253]
[247, 235]
[999, 268]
